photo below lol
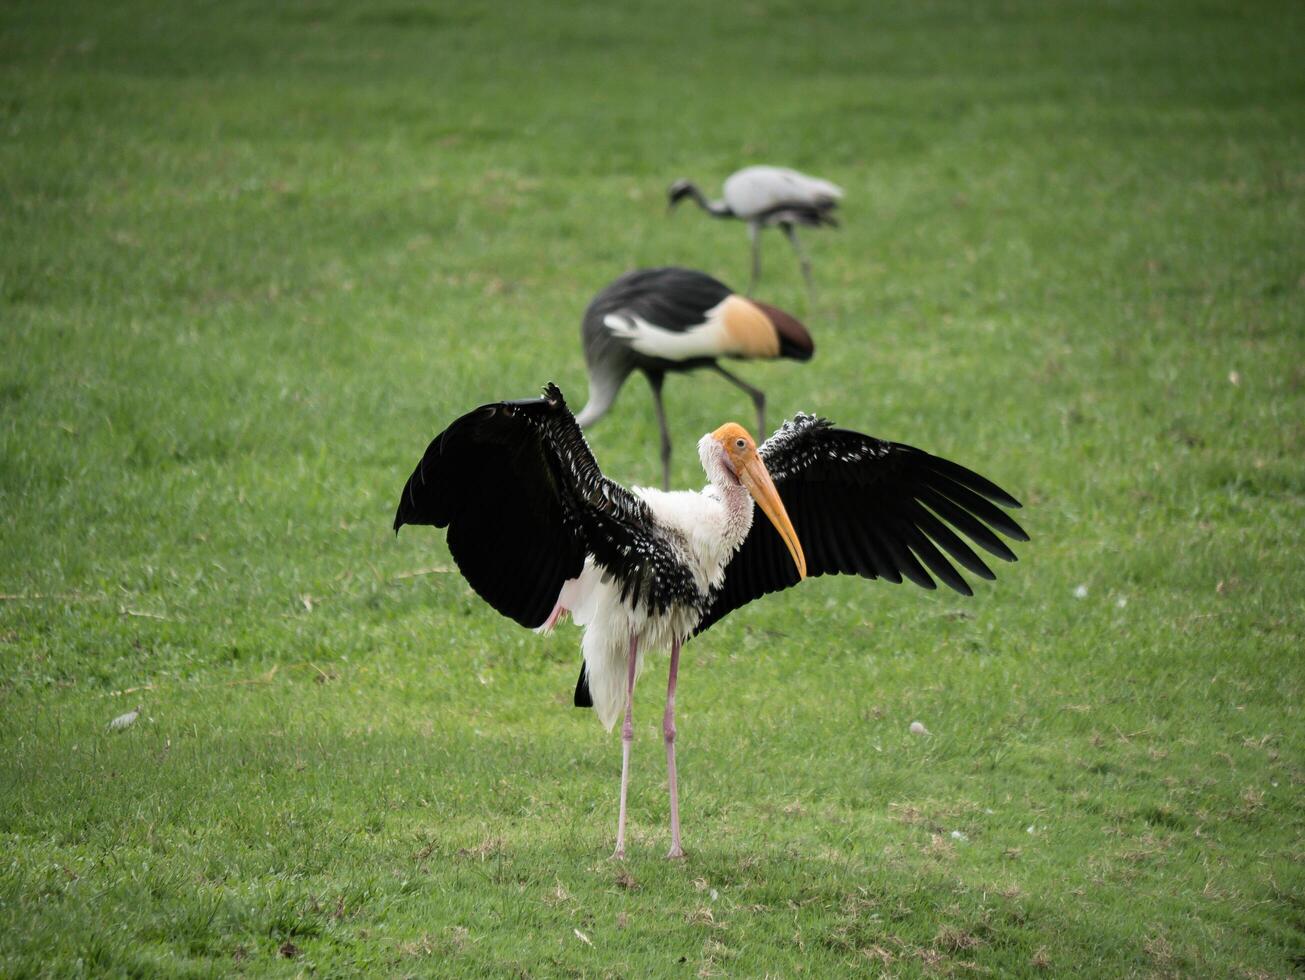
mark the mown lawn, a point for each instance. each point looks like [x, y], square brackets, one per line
[253, 256]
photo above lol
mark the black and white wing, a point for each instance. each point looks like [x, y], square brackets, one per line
[863, 506]
[524, 502]
[650, 313]
[672, 298]
[681, 316]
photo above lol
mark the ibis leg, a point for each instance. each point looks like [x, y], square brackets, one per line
[756, 394]
[655, 382]
[627, 737]
[754, 233]
[791, 232]
[668, 734]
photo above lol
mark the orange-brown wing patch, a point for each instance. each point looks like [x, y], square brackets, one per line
[750, 332]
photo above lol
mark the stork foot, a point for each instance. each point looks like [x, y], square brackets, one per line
[618, 854]
[676, 853]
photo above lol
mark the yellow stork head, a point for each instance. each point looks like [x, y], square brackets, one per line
[744, 463]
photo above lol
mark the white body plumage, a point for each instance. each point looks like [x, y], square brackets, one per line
[753, 191]
[708, 526]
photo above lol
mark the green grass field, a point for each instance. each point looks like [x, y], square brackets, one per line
[253, 256]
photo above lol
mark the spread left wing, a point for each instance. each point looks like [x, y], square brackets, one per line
[864, 506]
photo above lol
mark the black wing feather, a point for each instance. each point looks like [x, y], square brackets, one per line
[488, 481]
[864, 506]
[980, 507]
[670, 297]
[524, 503]
[976, 530]
[949, 540]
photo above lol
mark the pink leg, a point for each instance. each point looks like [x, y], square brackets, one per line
[627, 737]
[668, 733]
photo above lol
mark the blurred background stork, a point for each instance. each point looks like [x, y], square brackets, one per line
[673, 319]
[767, 197]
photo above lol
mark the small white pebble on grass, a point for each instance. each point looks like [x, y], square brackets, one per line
[1080, 592]
[1235, 377]
[1121, 602]
[957, 835]
[917, 728]
[123, 722]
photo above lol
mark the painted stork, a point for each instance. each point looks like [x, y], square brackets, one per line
[539, 532]
[766, 197]
[671, 319]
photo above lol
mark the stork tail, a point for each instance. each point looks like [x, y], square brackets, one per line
[582, 697]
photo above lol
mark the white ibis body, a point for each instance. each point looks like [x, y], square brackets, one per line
[539, 533]
[660, 321]
[769, 197]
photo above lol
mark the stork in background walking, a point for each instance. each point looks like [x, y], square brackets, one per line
[671, 319]
[767, 197]
[539, 533]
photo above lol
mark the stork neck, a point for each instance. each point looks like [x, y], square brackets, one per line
[717, 209]
[602, 392]
[739, 510]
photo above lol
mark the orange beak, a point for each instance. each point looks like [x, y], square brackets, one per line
[756, 478]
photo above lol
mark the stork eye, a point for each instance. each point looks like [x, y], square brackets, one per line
[739, 443]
